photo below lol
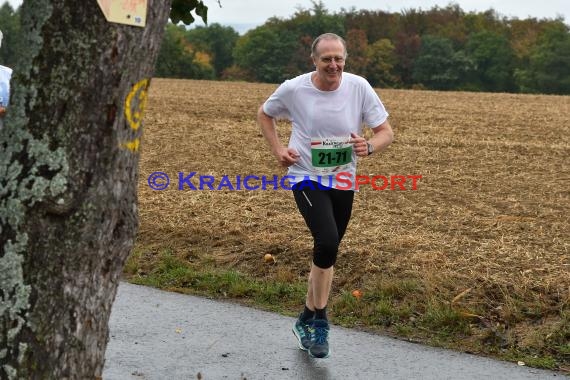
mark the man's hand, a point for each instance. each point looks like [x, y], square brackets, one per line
[2, 111]
[359, 145]
[287, 156]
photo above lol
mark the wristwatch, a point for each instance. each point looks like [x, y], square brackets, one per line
[370, 148]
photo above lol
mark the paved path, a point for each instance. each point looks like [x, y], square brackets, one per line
[161, 335]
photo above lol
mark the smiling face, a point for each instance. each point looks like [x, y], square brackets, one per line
[329, 60]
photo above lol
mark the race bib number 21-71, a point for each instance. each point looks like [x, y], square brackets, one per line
[331, 155]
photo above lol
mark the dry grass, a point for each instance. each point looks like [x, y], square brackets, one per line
[491, 213]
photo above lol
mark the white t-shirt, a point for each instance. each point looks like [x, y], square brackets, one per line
[5, 74]
[322, 123]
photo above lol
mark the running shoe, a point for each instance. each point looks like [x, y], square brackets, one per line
[301, 331]
[319, 339]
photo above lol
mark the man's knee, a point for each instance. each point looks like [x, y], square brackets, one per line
[325, 253]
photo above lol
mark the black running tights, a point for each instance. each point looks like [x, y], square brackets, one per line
[327, 213]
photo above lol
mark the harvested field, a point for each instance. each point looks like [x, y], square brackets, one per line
[484, 239]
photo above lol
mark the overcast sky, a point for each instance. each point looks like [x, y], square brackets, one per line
[255, 12]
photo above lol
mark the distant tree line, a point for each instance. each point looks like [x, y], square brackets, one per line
[440, 49]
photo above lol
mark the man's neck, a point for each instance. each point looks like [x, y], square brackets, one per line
[323, 86]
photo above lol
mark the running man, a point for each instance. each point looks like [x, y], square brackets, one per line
[327, 108]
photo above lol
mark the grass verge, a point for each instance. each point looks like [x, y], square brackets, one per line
[174, 274]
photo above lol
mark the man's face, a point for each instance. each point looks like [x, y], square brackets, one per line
[329, 62]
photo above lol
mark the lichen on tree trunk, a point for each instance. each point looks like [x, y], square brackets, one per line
[68, 178]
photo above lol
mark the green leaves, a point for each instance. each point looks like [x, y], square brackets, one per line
[202, 11]
[182, 11]
[438, 65]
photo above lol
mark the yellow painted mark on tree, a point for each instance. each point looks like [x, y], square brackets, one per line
[134, 108]
[133, 146]
[135, 103]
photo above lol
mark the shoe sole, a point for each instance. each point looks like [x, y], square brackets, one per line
[324, 357]
[299, 340]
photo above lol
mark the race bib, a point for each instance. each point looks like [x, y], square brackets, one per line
[331, 155]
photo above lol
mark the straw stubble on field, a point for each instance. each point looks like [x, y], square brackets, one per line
[491, 212]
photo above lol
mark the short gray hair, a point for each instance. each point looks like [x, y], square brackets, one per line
[327, 36]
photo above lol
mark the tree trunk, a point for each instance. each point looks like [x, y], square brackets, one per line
[68, 180]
